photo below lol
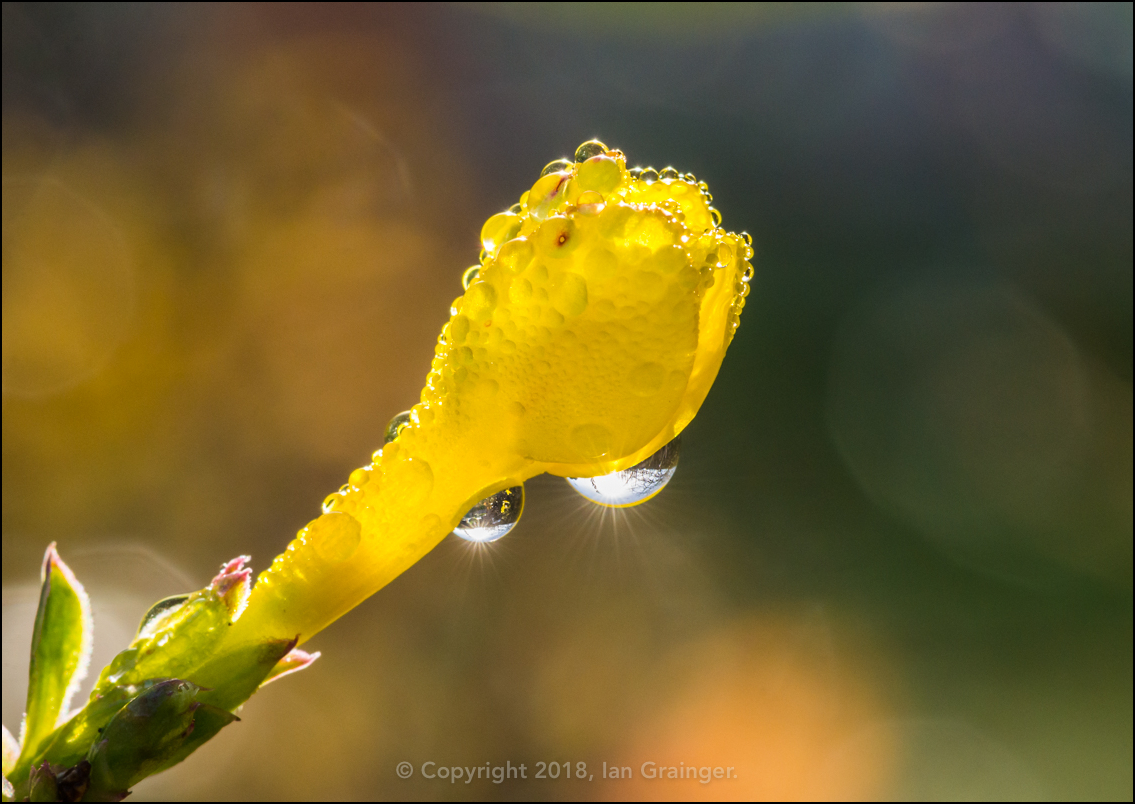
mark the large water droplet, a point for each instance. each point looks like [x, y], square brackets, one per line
[335, 536]
[395, 426]
[493, 516]
[498, 229]
[515, 255]
[589, 149]
[470, 276]
[556, 166]
[635, 485]
[599, 173]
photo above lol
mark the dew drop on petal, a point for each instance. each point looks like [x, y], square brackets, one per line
[600, 174]
[635, 485]
[336, 536]
[493, 516]
[515, 255]
[556, 166]
[589, 149]
[498, 229]
[395, 426]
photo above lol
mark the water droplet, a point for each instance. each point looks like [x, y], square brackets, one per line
[635, 485]
[635, 172]
[716, 216]
[589, 149]
[569, 294]
[515, 255]
[547, 194]
[590, 202]
[556, 237]
[459, 329]
[335, 536]
[470, 276]
[520, 291]
[159, 610]
[332, 501]
[649, 175]
[396, 425]
[499, 228]
[556, 166]
[668, 173]
[480, 301]
[358, 478]
[516, 209]
[599, 173]
[493, 516]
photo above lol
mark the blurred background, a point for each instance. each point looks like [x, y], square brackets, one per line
[896, 559]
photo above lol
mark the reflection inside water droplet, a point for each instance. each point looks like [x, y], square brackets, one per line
[395, 427]
[493, 516]
[635, 485]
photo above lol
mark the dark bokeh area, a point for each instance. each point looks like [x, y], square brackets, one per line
[896, 559]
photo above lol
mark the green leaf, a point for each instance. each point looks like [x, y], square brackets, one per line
[180, 634]
[168, 693]
[72, 741]
[44, 786]
[171, 645]
[207, 721]
[231, 676]
[141, 737]
[61, 647]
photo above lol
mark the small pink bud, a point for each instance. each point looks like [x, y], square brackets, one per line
[294, 661]
[233, 584]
